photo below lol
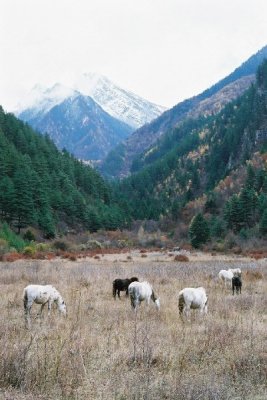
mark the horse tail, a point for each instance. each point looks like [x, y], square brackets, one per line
[181, 303]
[153, 297]
[25, 299]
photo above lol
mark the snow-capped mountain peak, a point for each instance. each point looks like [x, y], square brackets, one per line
[120, 103]
[41, 99]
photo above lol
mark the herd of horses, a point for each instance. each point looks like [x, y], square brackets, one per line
[188, 298]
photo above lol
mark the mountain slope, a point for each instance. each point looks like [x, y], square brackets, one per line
[49, 189]
[120, 103]
[82, 127]
[208, 102]
[87, 128]
[192, 159]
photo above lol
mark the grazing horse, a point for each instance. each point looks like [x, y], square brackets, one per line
[140, 291]
[226, 276]
[42, 294]
[236, 284]
[192, 298]
[122, 285]
[235, 271]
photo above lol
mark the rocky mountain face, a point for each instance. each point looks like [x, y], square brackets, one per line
[208, 102]
[88, 119]
[81, 126]
[120, 103]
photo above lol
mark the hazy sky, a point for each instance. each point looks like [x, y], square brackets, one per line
[163, 50]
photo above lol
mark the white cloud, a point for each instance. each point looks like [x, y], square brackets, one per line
[164, 51]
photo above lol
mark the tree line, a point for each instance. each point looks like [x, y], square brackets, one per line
[47, 188]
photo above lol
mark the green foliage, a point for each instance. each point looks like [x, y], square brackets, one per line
[40, 185]
[198, 231]
[29, 236]
[29, 251]
[11, 238]
[193, 158]
[217, 227]
[61, 245]
[263, 224]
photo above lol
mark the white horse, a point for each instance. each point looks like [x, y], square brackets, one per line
[235, 271]
[226, 276]
[192, 298]
[42, 294]
[140, 291]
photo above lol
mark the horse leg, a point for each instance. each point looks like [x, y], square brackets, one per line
[27, 314]
[187, 310]
[133, 303]
[41, 310]
[119, 294]
[49, 304]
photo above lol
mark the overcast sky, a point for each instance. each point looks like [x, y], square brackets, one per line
[163, 50]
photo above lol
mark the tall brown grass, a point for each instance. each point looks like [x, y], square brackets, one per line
[104, 350]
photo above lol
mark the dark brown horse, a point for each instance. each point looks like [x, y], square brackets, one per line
[120, 285]
[236, 284]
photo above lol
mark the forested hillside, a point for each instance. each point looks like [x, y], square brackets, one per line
[190, 162]
[120, 161]
[46, 188]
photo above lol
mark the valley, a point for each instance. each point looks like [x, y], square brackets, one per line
[103, 347]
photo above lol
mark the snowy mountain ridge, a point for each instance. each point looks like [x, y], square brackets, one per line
[119, 103]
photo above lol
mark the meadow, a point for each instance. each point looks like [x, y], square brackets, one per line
[104, 350]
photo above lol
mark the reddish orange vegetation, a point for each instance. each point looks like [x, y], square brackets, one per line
[181, 257]
[10, 257]
[257, 254]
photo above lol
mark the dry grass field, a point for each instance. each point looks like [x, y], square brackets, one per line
[104, 350]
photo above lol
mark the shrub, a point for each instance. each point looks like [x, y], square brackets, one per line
[28, 235]
[61, 245]
[42, 247]
[29, 251]
[10, 257]
[181, 257]
[93, 245]
[12, 239]
[198, 231]
[3, 246]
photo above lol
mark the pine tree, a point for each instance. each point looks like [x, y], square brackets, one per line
[247, 203]
[7, 199]
[24, 206]
[233, 213]
[263, 224]
[198, 231]
[251, 177]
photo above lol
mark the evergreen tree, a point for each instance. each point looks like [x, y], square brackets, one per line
[24, 206]
[263, 224]
[217, 227]
[233, 214]
[251, 177]
[7, 199]
[198, 230]
[247, 204]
